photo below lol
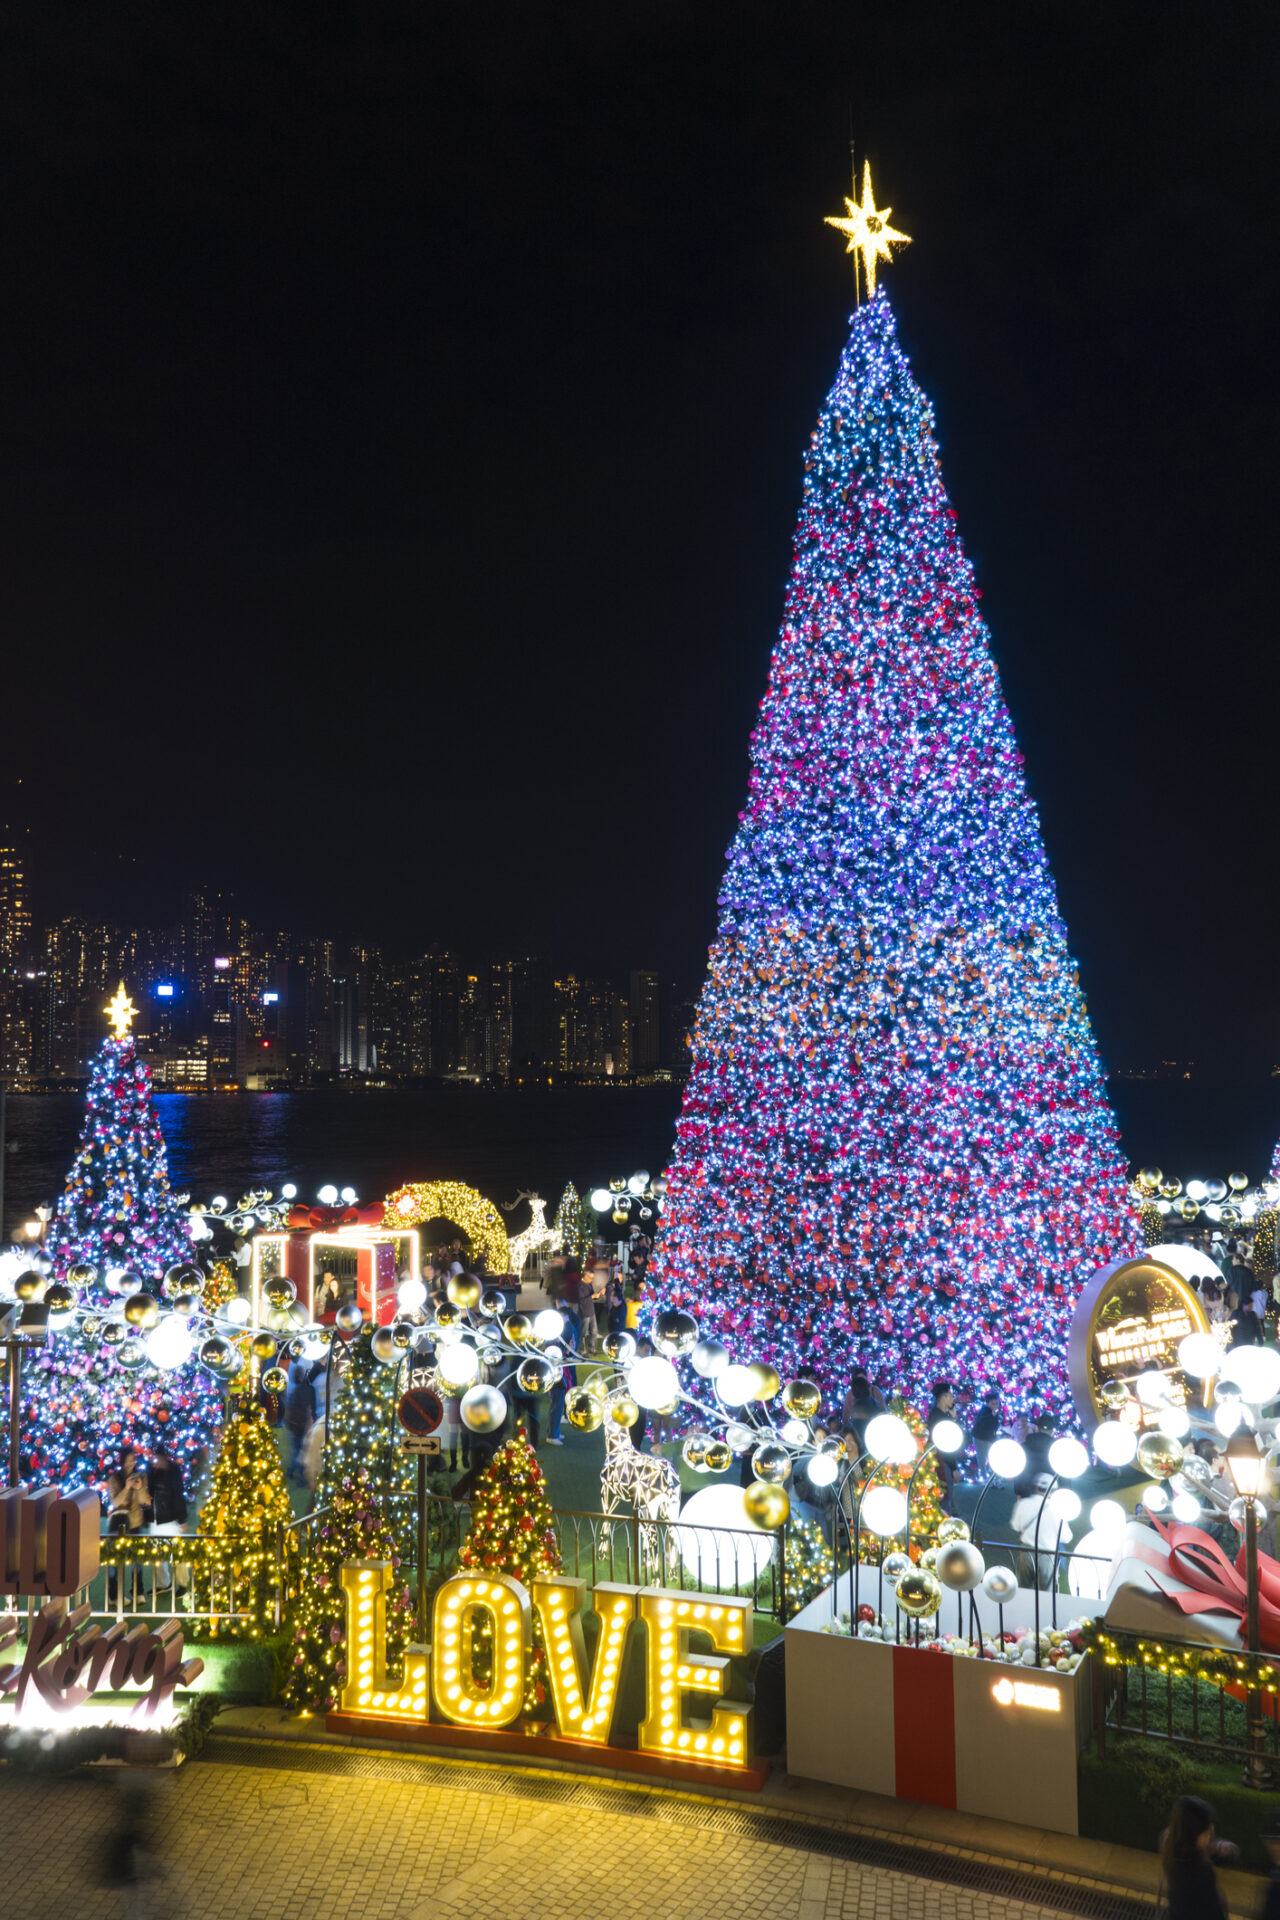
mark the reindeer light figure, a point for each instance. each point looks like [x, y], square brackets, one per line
[537, 1238]
[641, 1483]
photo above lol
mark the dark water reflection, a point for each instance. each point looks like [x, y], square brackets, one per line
[501, 1140]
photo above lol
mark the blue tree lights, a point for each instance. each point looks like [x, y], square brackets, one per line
[895, 1148]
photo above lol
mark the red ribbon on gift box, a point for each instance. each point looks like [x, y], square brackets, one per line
[329, 1219]
[1218, 1587]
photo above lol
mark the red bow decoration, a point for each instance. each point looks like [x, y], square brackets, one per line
[329, 1219]
[1219, 1587]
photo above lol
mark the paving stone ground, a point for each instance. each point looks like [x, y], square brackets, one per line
[242, 1843]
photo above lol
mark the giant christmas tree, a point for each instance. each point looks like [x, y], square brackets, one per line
[895, 1147]
[117, 1210]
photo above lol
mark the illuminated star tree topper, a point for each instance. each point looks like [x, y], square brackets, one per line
[120, 1012]
[868, 231]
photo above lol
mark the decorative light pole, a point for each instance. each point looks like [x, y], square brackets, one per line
[1247, 1468]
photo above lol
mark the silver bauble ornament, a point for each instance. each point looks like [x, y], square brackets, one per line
[959, 1566]
[1000, 1584]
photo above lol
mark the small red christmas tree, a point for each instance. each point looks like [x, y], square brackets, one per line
[513, 1530]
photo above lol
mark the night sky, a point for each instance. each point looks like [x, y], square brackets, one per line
[402, 418]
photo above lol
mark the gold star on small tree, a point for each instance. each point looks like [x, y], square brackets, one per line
[120, 1012]
[867, 229]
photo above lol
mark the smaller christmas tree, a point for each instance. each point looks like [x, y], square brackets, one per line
[809, 1564]
[926, 1496]
[573, 1232]
[219, 1286]
[363, 1434]
[353, 1528]
[248, 1501]
[513, 1531]
[117, 1210]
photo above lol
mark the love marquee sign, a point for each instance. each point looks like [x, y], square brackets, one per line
[440, 1679]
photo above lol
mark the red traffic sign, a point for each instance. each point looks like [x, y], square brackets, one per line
[420, 1410]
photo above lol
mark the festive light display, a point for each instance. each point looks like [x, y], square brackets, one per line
[513, 1531]
[220, 1286]
[867, 230]
[352, 1528]
[673, 1669]
[537, 1239]
[247, 1503]
[84, 1401]
[558, 1601]
[895, 1149]
[575, 1222]
[810, 1564]
[478, 1218]
[117, 1210]
[926, 1512]
[363, 1432]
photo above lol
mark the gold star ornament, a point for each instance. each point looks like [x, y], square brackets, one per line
[867, 229]
[120, 1012]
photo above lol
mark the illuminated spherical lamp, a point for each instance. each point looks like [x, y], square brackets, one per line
[1114, 1443]
[654, 1383]
[458, 1366]
[1090, 1564]
[887, 1437]
[883, 1511]
[237, 1311]
[602, 1200]
[1067, 1458]
[823, 1470]
[735, 1386]
[715, 1532]
[1107, 1516]
[947, 1436]
[1006, 1459]
[1256, 1371]
[169, 1344]
[548, 1325]
[1063, 1504]
[412, 1295]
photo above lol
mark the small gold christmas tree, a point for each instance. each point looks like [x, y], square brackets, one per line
[513, 1530]
[247, 1503]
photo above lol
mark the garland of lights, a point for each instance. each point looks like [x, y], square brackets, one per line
[479, 1219]
[895, 1151]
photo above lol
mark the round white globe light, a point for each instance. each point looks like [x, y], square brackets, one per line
[654, 1382]
[794, 1432]
[1197, 1190]
[1175, 1421]
[602, 1200]
[1063, 1503]
[328, 1196]
[1151, 1388]
[349, 1195]
[1090, 1565]
[458, 1365]
[637, 1183]
[412, 1294]
[1155, 1498]
[718, 1542]
[1114, 1443]
[1068, 1458]
[288, 1191]
[889, 1438]
[1227, 1416]
[883, 1511]
[734, 1385]
[1256, 1371]
[1107, 1516]
[1006, 1459]
[947, 1436]
[822, 1469]
[548, 1325]
[236, 1310]
[169, 1344]
[1185, 1507]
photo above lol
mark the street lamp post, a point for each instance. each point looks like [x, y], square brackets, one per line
[1246, 1467]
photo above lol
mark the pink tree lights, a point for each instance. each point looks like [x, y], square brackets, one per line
[895, 1148]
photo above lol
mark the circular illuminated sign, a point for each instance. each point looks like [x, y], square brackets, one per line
[1129, 1320]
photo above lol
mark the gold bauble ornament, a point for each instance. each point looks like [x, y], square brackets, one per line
[402, 1333]
[765, 1505]
[952, 1529]
[1159, 1454]
[624, 1411]
[766, 1380]
[262, 1346]
[274, 1380]
[919, 1593]
[518, 1328]
[29, 1285]
[59, 1298]
[1113, 1394]
[279, 1291]
[802, 1398]
[142, 1310]
[583, 1410]
[447, 1315]
[279, 1319]
[928, 1557]
[718, 1456]
[464, 1291]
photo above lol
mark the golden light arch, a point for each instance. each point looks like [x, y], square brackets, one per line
[461, 1206]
